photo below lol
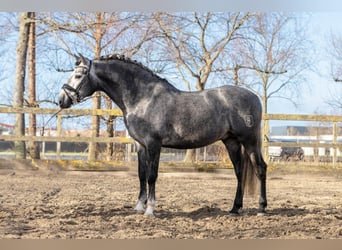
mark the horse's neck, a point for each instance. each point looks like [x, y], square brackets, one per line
[123, 91]
[107, 83]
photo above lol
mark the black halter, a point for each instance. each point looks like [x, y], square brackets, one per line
[84, 70]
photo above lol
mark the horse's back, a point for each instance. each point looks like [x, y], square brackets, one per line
[237, 96]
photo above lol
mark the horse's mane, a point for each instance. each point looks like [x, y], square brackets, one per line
[123, 58]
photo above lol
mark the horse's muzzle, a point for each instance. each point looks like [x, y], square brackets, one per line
[64, 100]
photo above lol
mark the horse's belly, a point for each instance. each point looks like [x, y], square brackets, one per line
[195, 139]
[187, 145]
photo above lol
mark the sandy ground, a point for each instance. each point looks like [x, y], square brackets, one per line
[50, 203]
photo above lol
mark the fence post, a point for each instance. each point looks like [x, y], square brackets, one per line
[265, 137]
[205, 154]
[59, 132]
[335, 133]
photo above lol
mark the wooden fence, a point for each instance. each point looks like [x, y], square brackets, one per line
[115, 112]
[59, 137]
[317, 144]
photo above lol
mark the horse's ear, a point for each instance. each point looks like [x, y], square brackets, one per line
[82, 59]
[77, 59]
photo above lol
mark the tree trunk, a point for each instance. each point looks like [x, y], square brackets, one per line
[266, 125]
[190, 156]
[95, 122]
[95, 128]
[110, 129]
[33, 147]
[18, 99]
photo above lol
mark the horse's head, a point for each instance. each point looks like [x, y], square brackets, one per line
[78, 86]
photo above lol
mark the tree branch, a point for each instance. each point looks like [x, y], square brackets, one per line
[237, 67]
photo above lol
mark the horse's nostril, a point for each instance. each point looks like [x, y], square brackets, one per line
[60, 102]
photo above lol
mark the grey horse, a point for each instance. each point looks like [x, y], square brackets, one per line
[157, 114]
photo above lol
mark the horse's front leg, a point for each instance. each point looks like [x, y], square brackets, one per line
[153, 153]
[142, 167]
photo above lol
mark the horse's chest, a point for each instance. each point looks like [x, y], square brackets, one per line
[139, 126]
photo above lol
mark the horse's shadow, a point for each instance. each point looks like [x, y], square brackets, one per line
[197, 214]
[214, 212]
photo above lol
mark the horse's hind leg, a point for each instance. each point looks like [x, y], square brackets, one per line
[234, 150]
[261, 173]
[260, 167]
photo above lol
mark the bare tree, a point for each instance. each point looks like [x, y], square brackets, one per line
[335, 50]
[275, 51]
[18, 99]
[335, 53]
[6, 28]
[33, 147]
[197, 40]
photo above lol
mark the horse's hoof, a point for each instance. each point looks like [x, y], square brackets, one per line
[139, 211]
[149, 210]
[234, 213]
[139, 208]
[261, 214]
[150, 215]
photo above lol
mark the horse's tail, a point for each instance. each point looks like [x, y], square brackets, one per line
[249, 177]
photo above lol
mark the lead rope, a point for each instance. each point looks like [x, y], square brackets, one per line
[47, 122]
[55, 115]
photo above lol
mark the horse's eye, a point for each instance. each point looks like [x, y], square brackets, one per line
[78, 76]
